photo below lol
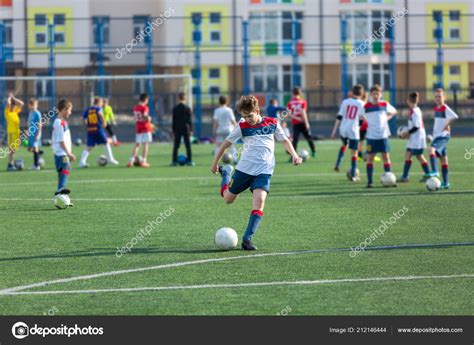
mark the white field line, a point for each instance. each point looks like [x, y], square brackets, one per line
[292, 197]
[241, 285]
[186, 178]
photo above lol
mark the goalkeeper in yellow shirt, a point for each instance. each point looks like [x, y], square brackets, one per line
[110, 121]
[12, 117]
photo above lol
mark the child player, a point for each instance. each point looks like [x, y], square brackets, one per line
[349, 117]
[443, 116]
[256, 163]
[34, 135]
[144, 129]
[110, 121]
[417, 137]
[95, 122]
[12, 117]
[299, 118]
[61, 139]
[377, 113]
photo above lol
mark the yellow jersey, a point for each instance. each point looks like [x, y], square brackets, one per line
[13, 119]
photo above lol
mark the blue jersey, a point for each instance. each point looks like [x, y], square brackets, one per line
[34, 119]
[94, 123]
[272, 111]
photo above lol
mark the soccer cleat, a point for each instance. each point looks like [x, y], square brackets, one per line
[145, 165]
[433, 174]
[313, 154]
[445, 185]
[130, 164]
[370, 185]
[356, 179]
[376, 159]
[336, 169]
[63, 191]
[403, 180]
[117, 143]
[248, 245]
[174, 164]
[83, 165]
[11, 167]
[114, 162]
[71, 205]
[34, 168]
[190, 164]
[425, 177]
[226, 169]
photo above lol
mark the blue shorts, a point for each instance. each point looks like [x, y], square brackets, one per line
[96, 138]
[377, 145]
[440, 144]
[415, 152]
[241, 181]
[62, 163]
[353, 143]
[32, 143]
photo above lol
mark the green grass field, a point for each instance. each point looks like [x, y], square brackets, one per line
[310, 208]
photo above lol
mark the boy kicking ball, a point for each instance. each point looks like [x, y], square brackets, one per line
[441, 134]
[416, 138]
[61, 139]
[256, 164]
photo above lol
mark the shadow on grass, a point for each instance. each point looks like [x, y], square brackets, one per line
[111, 252]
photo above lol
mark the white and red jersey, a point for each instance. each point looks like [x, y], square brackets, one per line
[377, 119]
[441, 115]
[61, 133]
[143, 124]
[297, 106]
[258, 154]
[351, 111]
[417, 139]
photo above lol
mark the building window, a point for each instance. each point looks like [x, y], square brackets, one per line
[40, 19]
[437, 14]
[215, 18]
[214, 73]
[368, 74]
[214, 90]
[139, 23]
[454, 34]
[455, 70]
[454, 16]
[215, 36]
[42, 87]
[40, 38]
[8, 33]
[59, 38]
[273, 78]
[105, 30]
[59, 19]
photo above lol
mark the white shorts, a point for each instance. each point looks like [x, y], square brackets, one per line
[143, 138]
[220, 137]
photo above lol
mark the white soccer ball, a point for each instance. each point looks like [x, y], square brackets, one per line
[349, 175]
[226, 239]
[102, 161]
[62, 201]
[402, 132]
[429, 138]
[388, 179]
[433, 184]
[303, 154]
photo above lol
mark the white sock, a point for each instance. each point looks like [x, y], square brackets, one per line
[85, 154]
[132, 159]
[108, 151]
[114, 138]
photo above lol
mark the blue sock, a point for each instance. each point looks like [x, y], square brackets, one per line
[425, 168]
[254, 222]
[370, 172]
[353, 166]
[225, 182]
[63, 178]
[387, 167]
[406, 168]
[434, 163]
[444, 171]
[340, 155]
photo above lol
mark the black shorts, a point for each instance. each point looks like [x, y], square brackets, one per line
[362, 135]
